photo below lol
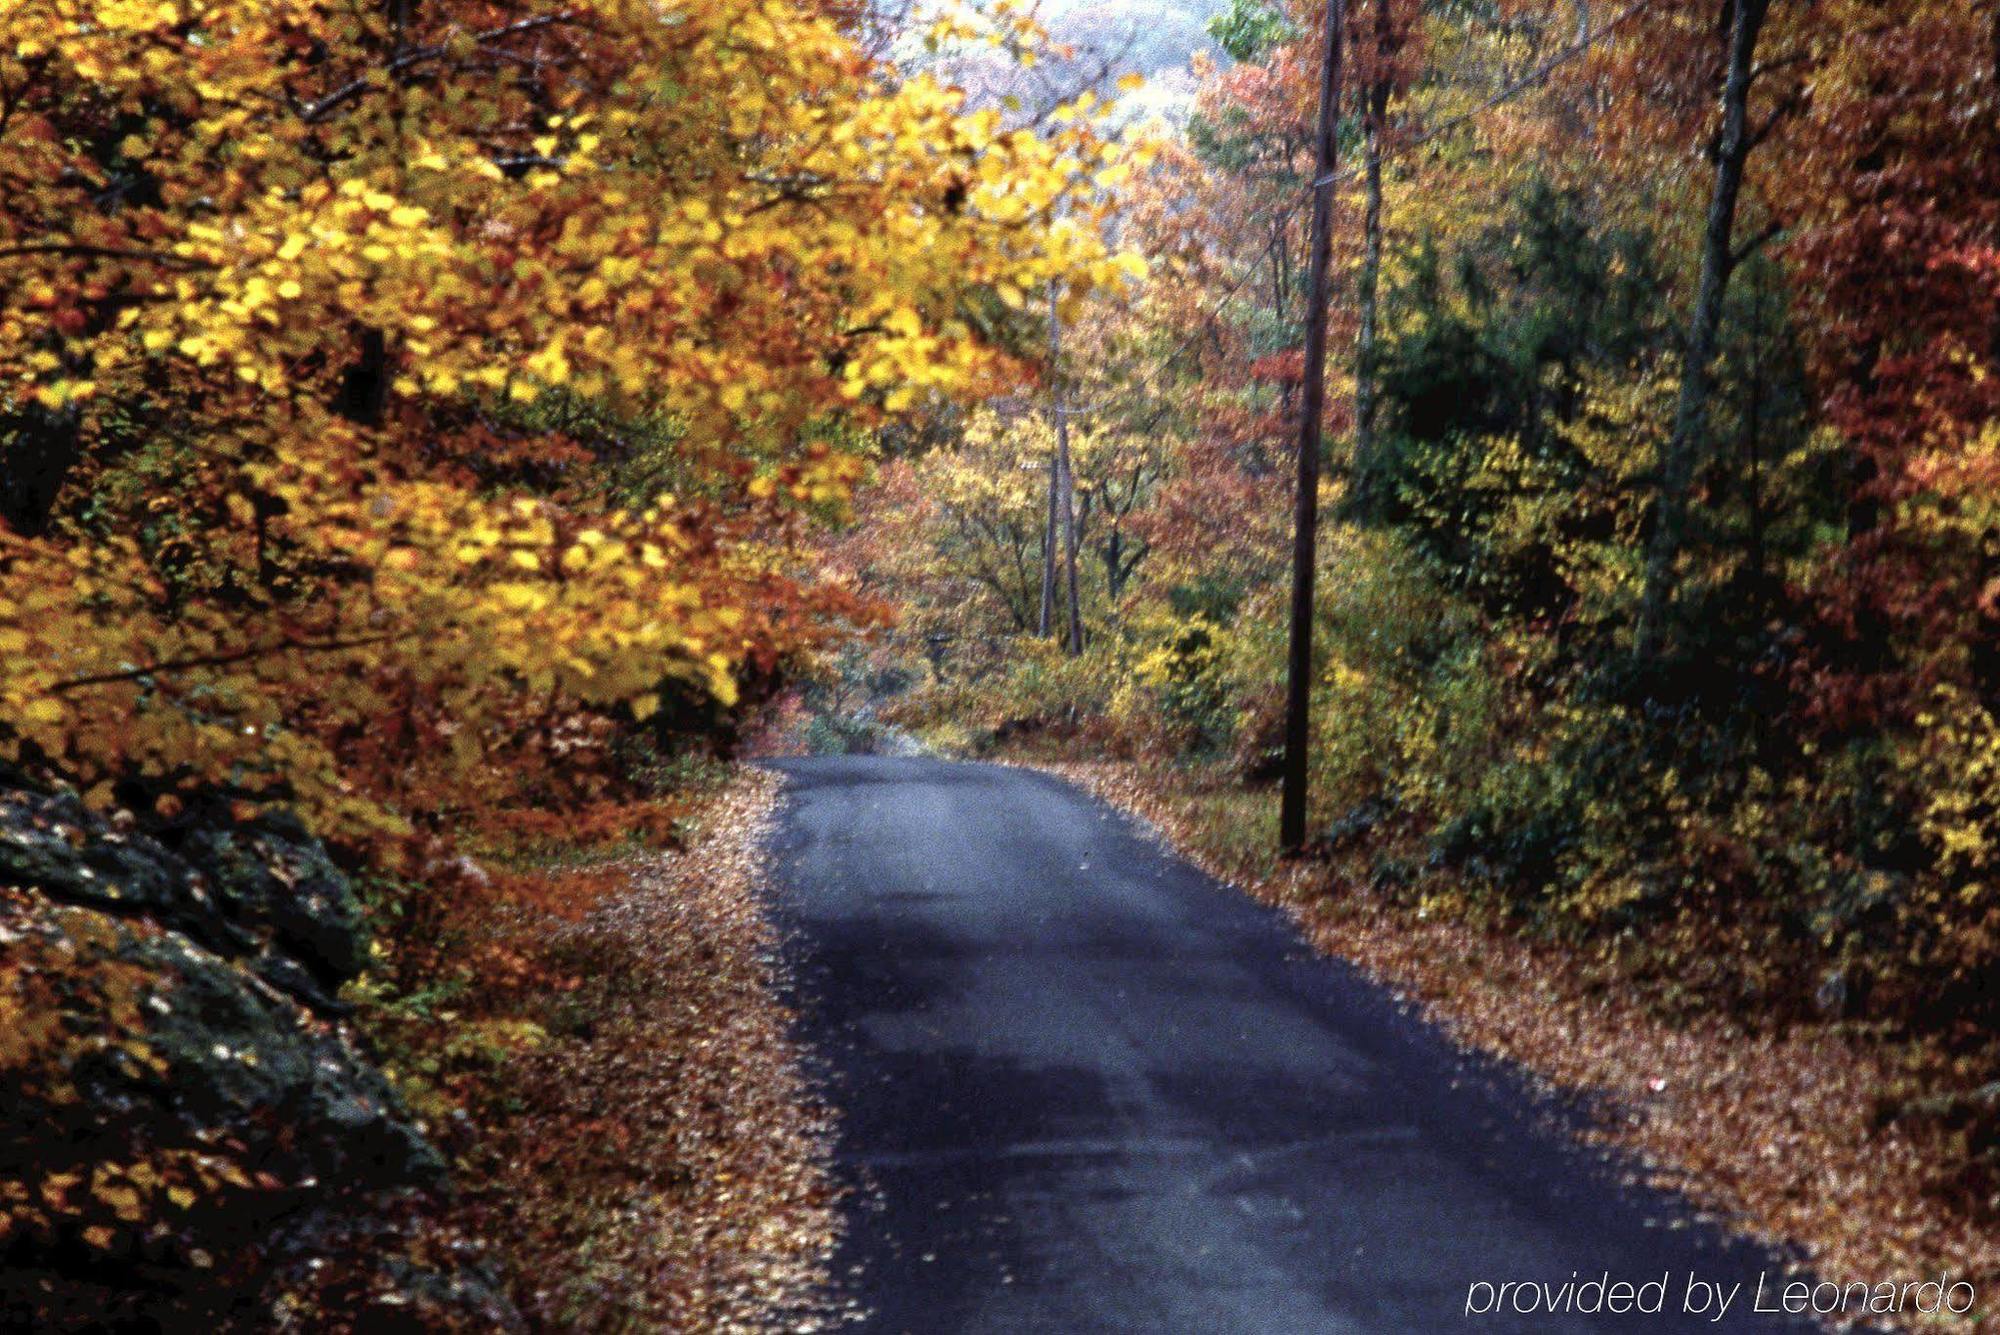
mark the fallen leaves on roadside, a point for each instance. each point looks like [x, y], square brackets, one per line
[663, 1165]
[1775, 1134]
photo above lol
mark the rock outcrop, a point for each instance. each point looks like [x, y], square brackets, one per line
[191, 1137]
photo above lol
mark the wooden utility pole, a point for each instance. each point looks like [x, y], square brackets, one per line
[1305, 528]
[1065, 481]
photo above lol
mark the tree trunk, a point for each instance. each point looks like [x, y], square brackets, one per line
[1305, 520]
[1047, 618]
[1684, 449]
[1064, 499]
[1068, 482]
[1375, 124]
[1114, 552]
[364, 385]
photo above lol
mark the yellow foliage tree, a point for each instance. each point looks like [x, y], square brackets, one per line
[293, 294]
[319, 268]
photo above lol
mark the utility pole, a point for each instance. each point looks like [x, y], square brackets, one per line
[1063, 501]
[1305, 530]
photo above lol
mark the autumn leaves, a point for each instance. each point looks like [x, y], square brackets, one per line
[344, 330]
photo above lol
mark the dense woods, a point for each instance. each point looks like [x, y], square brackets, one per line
[1657, 592]
[432, 431]
[409, 412]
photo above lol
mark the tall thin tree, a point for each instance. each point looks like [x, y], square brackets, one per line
[1063, 500]
[1375, 124]
[1312, 407]
[1048, 612]
[1719, 261]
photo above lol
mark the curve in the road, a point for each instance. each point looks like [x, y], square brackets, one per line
[1085, 1088]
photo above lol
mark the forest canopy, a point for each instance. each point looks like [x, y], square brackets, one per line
[392, 391]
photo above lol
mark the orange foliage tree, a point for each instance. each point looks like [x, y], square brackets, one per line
[393, 394]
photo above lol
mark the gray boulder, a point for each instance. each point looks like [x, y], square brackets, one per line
[265, 893]
[191, 1137]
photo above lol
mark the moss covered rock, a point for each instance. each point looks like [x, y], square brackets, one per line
[189, 1143]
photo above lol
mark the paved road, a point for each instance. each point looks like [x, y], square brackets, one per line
[1091, 1090]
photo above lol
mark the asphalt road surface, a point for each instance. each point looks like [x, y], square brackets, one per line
[1084, 1088]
